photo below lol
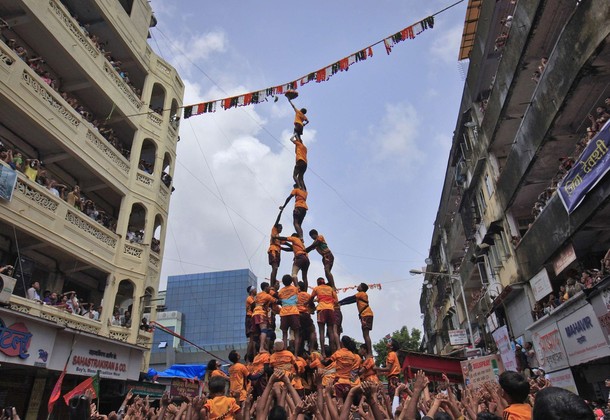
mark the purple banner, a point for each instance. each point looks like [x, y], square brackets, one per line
[588, 170]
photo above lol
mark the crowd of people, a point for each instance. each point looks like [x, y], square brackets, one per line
[576, 282]
[67, 301]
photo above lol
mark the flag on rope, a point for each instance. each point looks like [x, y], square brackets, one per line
[92, 384]
[318, 76]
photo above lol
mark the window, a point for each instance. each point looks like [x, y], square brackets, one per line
[488, 186]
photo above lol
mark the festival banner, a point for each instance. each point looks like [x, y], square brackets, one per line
[505, 347]
[321, 75]
[588, 170]
[8, 179]
[480, 370]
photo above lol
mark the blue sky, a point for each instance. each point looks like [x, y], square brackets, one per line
[378, 139]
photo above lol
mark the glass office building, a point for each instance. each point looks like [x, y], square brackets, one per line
[213, 306]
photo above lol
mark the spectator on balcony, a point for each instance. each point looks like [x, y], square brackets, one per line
[74, 199]
[17, 161]
[155, 245]
[145, 326]
[22, 53]
[57, 189]
[32, 167]
[166, 179]
[51, 299]
[90, 210]
[126, 320]
[572, 285]
[33, 292]
[6, 269]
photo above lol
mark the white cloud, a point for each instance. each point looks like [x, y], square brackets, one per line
[196, 48]
[447, 45]
[395, 136]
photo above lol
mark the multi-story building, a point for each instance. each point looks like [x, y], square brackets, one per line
[538, 74]
[212, 315]
[88, 103]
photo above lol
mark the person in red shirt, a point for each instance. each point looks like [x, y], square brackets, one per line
[300, 208]
[328, 259]
[327, 297]
[289, 312]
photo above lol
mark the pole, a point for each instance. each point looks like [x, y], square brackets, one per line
[465, 309]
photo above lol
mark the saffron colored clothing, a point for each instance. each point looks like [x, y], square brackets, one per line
[263, 300]
[392, 363]
[517, 412]
[284, 360]
[289, 297]
[326, 297]
[301, 151]
[297, 245]
[300, 198]
[368, 370]
[238, 374]
[222, 407]
[362, 300]
[259, 362]
[347, 365]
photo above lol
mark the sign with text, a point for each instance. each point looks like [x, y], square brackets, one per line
[25, 343]
[565, 257]
[505, 347]
[143, 389]
[89, 356]
[582, 336]
[549, 348]
[541, 285]
[457, 337]
[8, 179]
[183, 387]
[587, 171]
[563, 379]
[481, 369]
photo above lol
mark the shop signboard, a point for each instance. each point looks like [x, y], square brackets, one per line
[476, 336]
[505, 347]
[541, 285]
[549, 348]
[481, 369]
[565, 257]
[24, 342]
[181, 387]
[90, 356]
[601, 306]
[563, 379]
[457, 337]
[582, 336]
[143, 389]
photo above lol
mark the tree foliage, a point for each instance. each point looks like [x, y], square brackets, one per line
[408, 342]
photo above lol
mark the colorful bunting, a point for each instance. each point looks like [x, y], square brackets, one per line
[319, 76]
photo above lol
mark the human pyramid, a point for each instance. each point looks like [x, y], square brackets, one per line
[305, 361]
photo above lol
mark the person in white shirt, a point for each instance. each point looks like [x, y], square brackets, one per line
[33, 291]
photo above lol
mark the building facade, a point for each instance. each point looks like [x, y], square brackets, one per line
[212, 312]
[533, 114]
[89, 127]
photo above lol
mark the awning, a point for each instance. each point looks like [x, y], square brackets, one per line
[433, 365]
[470, 28]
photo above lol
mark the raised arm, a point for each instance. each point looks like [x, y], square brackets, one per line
[286, 202]
[421, 382]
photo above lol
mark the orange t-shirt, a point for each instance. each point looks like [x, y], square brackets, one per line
[221, 406]
[238, 374]
[297, 381]
[284, 360]
[297, 245]
[249, 302]
[218, 372]
[301, 151]
[263, 301]
[326, 297]
[368, 367]
[299, 117]
[322, 246]
[289, 297]
[362, 300]
[300, 198]
[347, 365]
[328, 372]
[392, 363]
[259, 362]
[302, 299]
[517, 412]
[274, 242]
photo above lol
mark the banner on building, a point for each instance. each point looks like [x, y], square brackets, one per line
[583, 337]
[588, 170]
[505, 347]
[549, 347]
[24, 342]
[457, 337]
[8, 179]
[541, 285]
[563, 379]
[483, 369]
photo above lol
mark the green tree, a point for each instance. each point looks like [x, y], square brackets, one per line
[408, 342]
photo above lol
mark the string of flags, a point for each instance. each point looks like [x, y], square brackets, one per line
[321, 75]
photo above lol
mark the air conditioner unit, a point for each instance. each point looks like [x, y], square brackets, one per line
[7, 284]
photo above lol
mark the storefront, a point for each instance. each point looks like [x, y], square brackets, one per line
[600, 302]
[34, 352]
[572, 347]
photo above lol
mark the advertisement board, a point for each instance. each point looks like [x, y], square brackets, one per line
[505, 347]
[541, 285]
[23, 342]
[582, 336]
[549, 348]
[457, 337]
[563, 379]
[481, 369]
